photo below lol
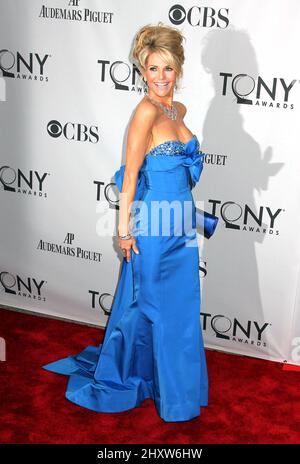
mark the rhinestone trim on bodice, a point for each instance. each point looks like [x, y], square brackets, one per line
[170, 148]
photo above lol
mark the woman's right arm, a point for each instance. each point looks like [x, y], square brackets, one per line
[139, 135]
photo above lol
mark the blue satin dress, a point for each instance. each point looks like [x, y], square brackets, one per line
[153, 345]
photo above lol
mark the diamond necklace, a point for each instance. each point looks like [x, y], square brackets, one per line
[170, 112]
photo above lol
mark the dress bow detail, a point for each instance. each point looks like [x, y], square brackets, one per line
[194, 159]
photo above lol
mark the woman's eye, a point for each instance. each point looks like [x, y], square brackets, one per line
[168, 69]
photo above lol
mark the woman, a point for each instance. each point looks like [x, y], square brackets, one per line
[153, 346]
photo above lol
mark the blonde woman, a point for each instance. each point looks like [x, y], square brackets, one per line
[153, 345]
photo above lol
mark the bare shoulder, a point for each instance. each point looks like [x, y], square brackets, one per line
[146, 109]
[140, 126]
[181, 108]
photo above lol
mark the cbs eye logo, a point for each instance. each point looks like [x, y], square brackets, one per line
[54, 128]
[202, 16]
[177, 14]
[73, 131]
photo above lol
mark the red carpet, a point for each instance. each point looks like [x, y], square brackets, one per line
[250, 401]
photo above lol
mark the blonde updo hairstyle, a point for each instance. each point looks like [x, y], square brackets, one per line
[161, 39]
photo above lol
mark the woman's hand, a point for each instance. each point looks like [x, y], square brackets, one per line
[126, 245]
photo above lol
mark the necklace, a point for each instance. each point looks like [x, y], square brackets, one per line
[170, 112]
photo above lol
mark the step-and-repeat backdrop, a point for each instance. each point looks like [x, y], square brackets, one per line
[67, 92]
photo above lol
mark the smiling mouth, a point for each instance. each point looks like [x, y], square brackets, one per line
[161, 84]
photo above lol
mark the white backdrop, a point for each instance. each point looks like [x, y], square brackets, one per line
[67, 92]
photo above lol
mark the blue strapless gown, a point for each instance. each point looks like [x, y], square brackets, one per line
[153, 345]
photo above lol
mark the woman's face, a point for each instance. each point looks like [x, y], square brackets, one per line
[160, 76]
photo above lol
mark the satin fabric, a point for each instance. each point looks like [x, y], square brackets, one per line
[206, 222]
[153, 345]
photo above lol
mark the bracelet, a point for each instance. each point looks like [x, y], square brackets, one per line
[125, 237]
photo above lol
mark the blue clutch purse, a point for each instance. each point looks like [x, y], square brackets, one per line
[206, 222]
